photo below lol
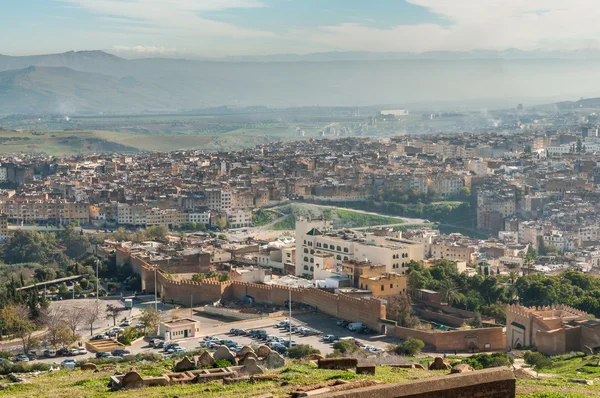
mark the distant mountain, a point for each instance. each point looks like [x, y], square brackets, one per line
[95, 81]
[40, 89]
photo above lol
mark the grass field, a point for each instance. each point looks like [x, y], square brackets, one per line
[341, 218]
[77, 383]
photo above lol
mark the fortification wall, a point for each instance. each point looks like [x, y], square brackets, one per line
[484, 339]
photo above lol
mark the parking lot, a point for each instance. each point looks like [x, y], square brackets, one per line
[320, 323]
[219, 328]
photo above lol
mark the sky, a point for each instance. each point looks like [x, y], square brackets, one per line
[218, 28]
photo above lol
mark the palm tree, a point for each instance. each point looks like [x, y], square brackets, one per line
[449, 292]
[512, 275]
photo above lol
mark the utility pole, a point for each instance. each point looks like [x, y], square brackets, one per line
[97, 284]
[290, 317]
[155, 292]
[191, 306]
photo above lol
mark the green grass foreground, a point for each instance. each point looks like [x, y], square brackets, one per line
[64, 383]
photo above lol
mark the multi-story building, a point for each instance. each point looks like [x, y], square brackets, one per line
[3, 174]
[316, 236]
[131, 214]
[3, 227]
[239, 219]
[384, 285]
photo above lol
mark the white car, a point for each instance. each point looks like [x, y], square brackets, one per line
[68, 363]
[81, 351]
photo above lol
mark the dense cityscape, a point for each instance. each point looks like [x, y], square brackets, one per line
[269, 199]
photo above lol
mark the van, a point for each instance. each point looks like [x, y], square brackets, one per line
[355, 326]
[50, 353]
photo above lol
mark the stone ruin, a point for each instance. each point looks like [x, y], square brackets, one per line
[245, 364]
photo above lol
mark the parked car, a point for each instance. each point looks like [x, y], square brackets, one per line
[64, 351]
[140, 324]
[81, 351]
[68, 363]
[74, 351]
[100, 337]
[160, 344]
[102, 354]
[50, 353]
[237, 331]
[179, 350]
[22, 358]
[120, 352]
[126, 323]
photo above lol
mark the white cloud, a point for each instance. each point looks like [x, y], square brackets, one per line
[145, 50]
[478, 24]
[182, 17]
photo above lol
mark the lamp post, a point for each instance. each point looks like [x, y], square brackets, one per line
[155, 291]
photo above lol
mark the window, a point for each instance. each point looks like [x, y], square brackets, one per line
[345, 258]
[306, 259]
[382, 287]
[345, 250]
[306, 268]
[391, 286]
[339, 248]
[339, 257]
[311, 268]
[305, 250]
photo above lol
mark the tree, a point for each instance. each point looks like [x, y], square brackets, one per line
[399, 309]
[92, 315]
[579, 146]
[112, 311]
[477, 323]
[410, 347]
[537, 360]
[19, 325]
[345, 346]
[73, 317]
[59, 335]
[302, 350]
[157, 232]
[448, 292]
[198, 277]
[151, 318]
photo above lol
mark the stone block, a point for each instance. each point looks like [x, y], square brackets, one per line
[263, 351]
[251, 368]
[224, 353]
[89, 366]
[184, 364]
[439, 364]
[205, 360]
[245, 350]
[461, 368]
[366, 369]
[337, 363]
[250, 355]
[273, 361]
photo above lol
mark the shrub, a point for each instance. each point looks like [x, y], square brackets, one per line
[410, 347]
[345, 346]
[222, 363]
[484, 361]
[302, 350]
[537, 360]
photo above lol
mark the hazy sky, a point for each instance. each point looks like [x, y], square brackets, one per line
[207, 28]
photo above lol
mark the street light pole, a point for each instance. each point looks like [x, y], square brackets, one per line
[97, 284]
[155, 292]
[290, 317]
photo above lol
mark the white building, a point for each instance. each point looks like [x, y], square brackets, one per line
[239, 218]
[317, 245]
